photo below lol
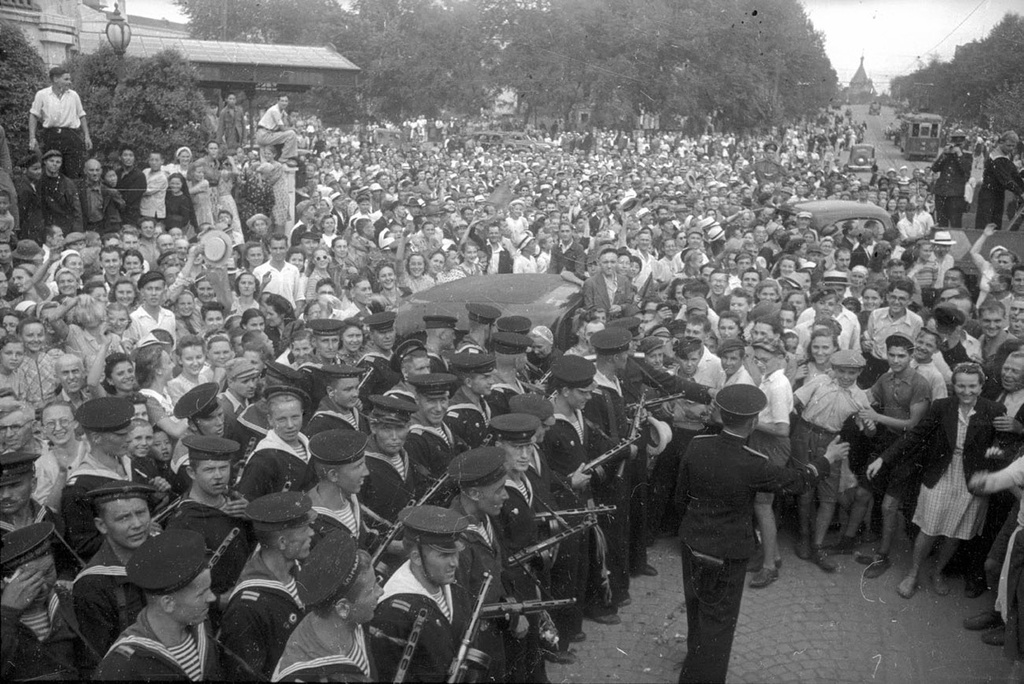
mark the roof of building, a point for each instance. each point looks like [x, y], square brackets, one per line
[256, 54]
[861, 77]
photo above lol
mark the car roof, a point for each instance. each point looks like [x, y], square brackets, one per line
[826, 212]
[543, 298]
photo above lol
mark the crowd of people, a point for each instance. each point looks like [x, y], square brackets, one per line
[219, 462]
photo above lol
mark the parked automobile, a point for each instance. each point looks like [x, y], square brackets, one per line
[862, 158]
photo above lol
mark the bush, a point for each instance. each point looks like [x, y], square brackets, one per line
[22, 73]
[151, 104]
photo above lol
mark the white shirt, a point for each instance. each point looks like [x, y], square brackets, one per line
[709, 370]
[287, 282]
[57, 111]
[780, 398]
[142, 324]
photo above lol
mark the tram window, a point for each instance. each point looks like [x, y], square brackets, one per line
[915, 130]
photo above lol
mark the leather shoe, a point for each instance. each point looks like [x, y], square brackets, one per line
[986, 620]
[624, 602]
[648, 571]
[995, 637]
[974, 587]
[877, 567]
[756, 561]
[803, 549]
[763, 577]
[560, 657]
[821, 560]
[578, 637]
[609, 619]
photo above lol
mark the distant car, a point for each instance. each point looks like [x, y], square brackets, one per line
[509, 140]
[874, 109]
[825, 213]
[862, 158]
[545, 299]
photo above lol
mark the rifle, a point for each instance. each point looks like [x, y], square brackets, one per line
[382, 548]
[638, 415]
[544, 516]
[497, 610]
[410, 646]
[467, 655]
[606, 457]
[527, 553]
[434, 489]
[657, 402]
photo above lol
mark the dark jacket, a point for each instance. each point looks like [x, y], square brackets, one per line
[110, 206]
[954, 172]
[132, 185]
[719, 477]
[933, 439]
[60, 203]
[504, 259]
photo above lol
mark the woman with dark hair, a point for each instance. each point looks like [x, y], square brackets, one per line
[133, 263]
[317, 269]
[186, 315]
[351, 342]
[951, 445]
[278, 317]
[118, 376]
[247, 291]
[125, 292]
[180, 211]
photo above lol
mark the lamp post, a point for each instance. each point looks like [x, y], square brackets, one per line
[119, 32]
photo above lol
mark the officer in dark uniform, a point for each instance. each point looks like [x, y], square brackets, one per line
[425, 582]
[339, 459]
[431, 443]
[105, 421]
[377, 359]
[105, 601]
[440, 340]
[170, 639]
[468, 411]
[339, 409]
[213, 510]
[281, 459]
[340, 590]
[718, 478]
[18, 481]
[264, 607]
[391, 484]
[510, 362]
[200, 407]
[410, 358]
[480, 476]
[514, 324]
[40, 635]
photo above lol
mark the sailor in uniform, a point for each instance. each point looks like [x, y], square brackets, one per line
[280, 462]
[340, 590]
[510, 360]
[431, 444]
[339, 409]
[440, 340]
[170, 638]
[391, 484]
[425, 582]
[468, 411]
[481, 324]
[201, 408]
[379, 350]
[410, 358]
[340, 464]
[264, 607]
[104, 599]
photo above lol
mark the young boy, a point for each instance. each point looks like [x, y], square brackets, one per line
[824, 404]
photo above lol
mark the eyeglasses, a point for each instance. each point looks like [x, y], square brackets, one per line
[61, 422]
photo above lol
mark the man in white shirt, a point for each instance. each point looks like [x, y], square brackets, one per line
[277, 276]
[58, 110]
[275, 128]
[893, 319]
[151, 314]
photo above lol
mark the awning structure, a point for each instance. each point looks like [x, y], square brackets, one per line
[255, 66]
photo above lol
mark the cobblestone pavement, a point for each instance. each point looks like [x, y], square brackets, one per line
[806, 627]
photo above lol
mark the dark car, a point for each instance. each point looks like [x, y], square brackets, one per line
[862, 158]
[543, 298]
[874, 109]
[826, 213]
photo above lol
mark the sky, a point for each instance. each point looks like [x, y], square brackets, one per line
[892, 34]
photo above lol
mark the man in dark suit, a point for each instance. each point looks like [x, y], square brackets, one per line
[59, 196]
[718, 477]
[568, 258]
[101, 206]
[598, 289]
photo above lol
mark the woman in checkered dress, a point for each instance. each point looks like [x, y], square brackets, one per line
[950, 445]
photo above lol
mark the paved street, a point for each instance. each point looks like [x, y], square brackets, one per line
[807, 627]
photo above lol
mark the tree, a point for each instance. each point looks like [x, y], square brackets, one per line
[22, 73]
[151, 104]
[290, 22]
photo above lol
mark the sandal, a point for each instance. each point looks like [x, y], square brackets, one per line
[908, 587]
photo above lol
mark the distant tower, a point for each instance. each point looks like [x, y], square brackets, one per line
[861, 89]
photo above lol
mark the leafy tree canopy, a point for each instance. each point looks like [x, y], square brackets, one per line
[22, 73]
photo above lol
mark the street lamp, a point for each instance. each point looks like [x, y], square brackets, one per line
[119, 32]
